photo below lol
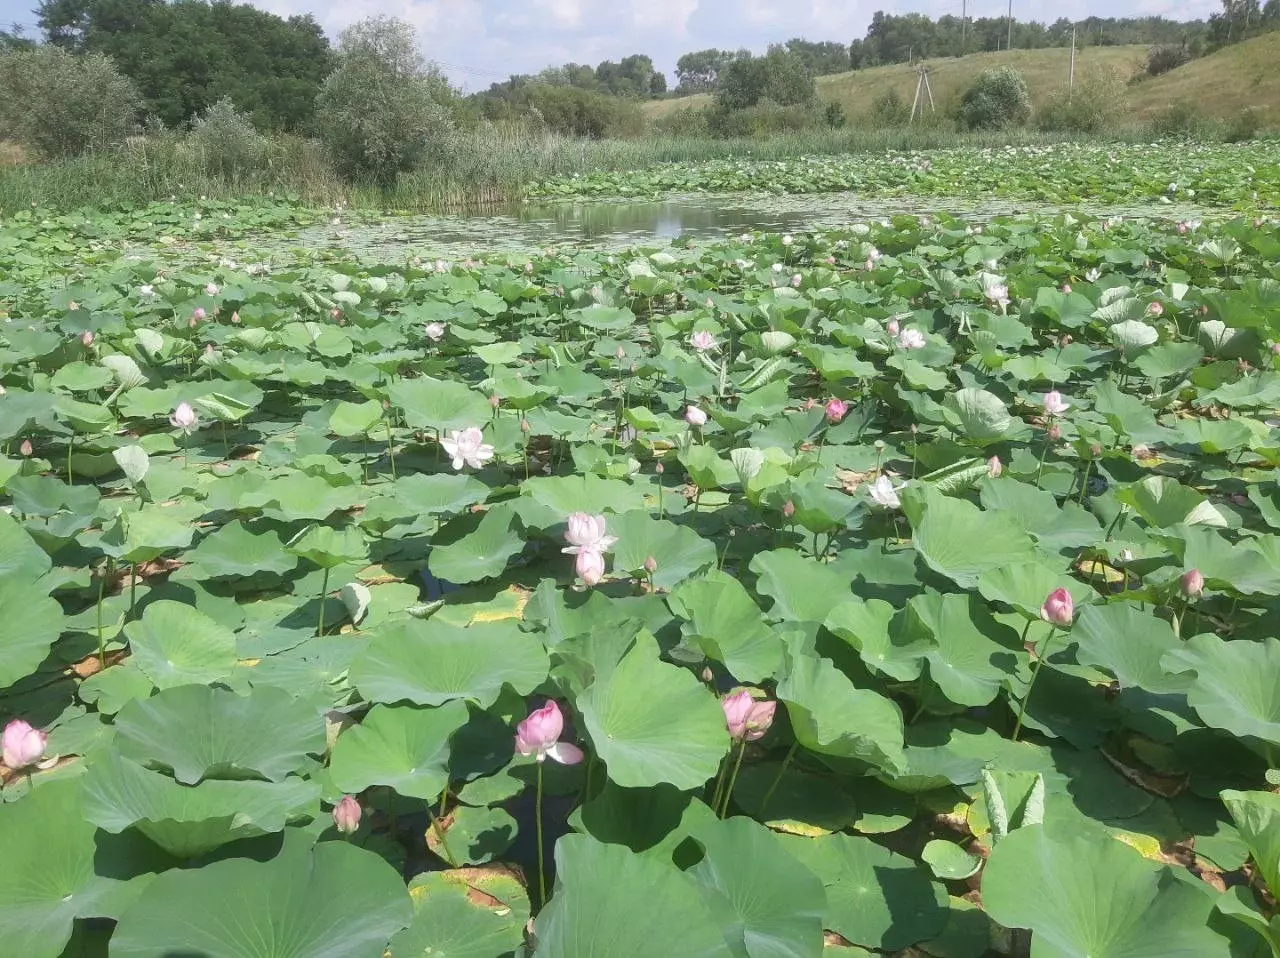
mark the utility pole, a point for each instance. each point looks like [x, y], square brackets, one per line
[1008, 45]
[1071, 77]
[922, 87]
[964, 23]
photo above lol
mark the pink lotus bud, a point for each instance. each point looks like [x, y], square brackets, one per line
[524, 426]
[528, 268]
[1095, 450]
[1055, 432]
[1155, 309]
[590, 567]
[746, 718]
[87, 337]
[1275, 349]
[707, 674]
[1066, 287]
[1058, 608]
[199, 314]
[539, 735]
[788, 509]
[796, 280]
[651, 565]
[23, 745]
[183, 417]
[893, 328]
[346, 815]
[494, 402]
[619, 353]
[25, 448]
[835, 410]
[658, 468]
[994, 467]
[695, 416]
[235, 317]
[335, 313]
[1066, 340]
[1054, 404]
[1192, 583]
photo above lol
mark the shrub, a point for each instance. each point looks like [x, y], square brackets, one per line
[60, 104]
[764, 119]
[227, 138]
[889, 109]
[686, 121]
[577, 112]
[833, 115]
[1181, 118]
[997, 100]
[1166, 57]
[384, 109]
[1090, 108]
[778, 76]
[1244, 126]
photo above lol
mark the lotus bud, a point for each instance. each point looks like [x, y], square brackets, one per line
[1095, 450]
[87, 337]
[335, 313]
[651, 565]
[893, 328]
[1275, 349]
[23, 745]
[695, 416]
[346, 815]
[192, 323]
[235, 317]
[494, 402]
[619, 353]
[1055, 432]
[524, 426]
[1066, 287]
[1065, 341]
[994, 467]
[1155, 309]
[1192, 583]
[746, 718]
[835, 410]
[590, 566]
[25, 448]
[788, 509]
[199, 314]
[708, 675]
[1058, 608]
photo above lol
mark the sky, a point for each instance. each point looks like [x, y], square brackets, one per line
[479, 42]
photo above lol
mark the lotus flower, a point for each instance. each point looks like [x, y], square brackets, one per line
[695, 416]
[884, 493]
[1192, 583]
[1092, 274]
[1058, 608]
[346, 815]
[467, 447]
[788, 509]
[747, 718]
[539, 735]
[146, 291]
[910, 338]
[994, 467]
[835, 409]
[184, 417]
[199, 315]
[1155, 309]
[796, 280]
[1054, 404]
[87, 337]
[23, 745]
[211, 289]
[893, 328]
[702, 341]
[589, 566]
[26, 448]
[586, 533]
[1066, 287]
[434, 331]
[787, 240]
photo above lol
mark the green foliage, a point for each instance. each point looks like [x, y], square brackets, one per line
[889, 109]
[998, 100]
[1181, 118]
[779, 76]
[186, 55]
[1091, 107]
[62, 105]
[227, 138]
[1166, 57]
[384, 110]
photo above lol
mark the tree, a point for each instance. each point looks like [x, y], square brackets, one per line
[60, 104]
[779, 76]
[186, 55]
[384, 108]
[997, 100]
[699, 72]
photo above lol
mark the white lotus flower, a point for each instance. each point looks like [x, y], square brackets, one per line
[434, 331]
[467, 447]
[910, 338]
[586, 533]
[884, 493]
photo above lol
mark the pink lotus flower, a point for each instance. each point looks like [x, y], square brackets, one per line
[589, 566]
[1155, 309]
[199, 314]
[26, 448]
[1054, 404]
[434, 331]
[910, 338]
[539, 735]
[346, 815]
[586, 533]
[836, 409]
[702, 341]
[87, 337]
[211, 289]
[1058, 608]
[994, 467]
[695, 416]
[23, 745]
[1192, 583]
[467, 447]
[747, 719]
[788, 509]
[184, 417]
[1066, 287]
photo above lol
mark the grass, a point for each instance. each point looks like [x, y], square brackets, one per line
[1219, 86]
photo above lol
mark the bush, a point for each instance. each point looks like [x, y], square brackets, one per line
[1162, 59]
[1244, 127]
[577, 112]
[1181, 118]
[60, 104]
[833, 115]
[997, 100]
[685, 121]
[889, 109]
[764, 119]
[384, 109]
[1091, 108]
[227, 138]
[778, 76]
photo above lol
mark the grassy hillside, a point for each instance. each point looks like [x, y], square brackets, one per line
[1221, 85]
[1045, 71]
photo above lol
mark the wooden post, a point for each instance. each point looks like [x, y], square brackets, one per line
[916, 101]
[964, 23]
[1009, 43]
[1071, 78]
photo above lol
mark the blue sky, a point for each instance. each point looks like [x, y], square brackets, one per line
[480, 41]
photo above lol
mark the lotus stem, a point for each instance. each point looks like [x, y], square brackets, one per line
[542, 870]
[71, 444]
[324, 591]
[733, 779]
[133, 587]
[1041, 655]
[773, 787]
[437, 826]
[102, 645]
[391, 451]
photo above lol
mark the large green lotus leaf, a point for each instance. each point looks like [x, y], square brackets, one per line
[331, 900]
[1235, 683]
[884, 648]
[328, 547]
[186, 820]
[802, 590]
[32, 623]
[651, 722]
[589, 493]
[874, 897]
[1163, 502]
[1026, 585]
[800, 802]
[467, 913]
[200, 732]
[679, 551]
[475, 835]
[234, 550]
[1257, 816]
[594, 911]
[832, 717]
[965, 659]
[174, 644]
[1053, 527]
[960, 541]
[355, 419]
[439, 404]
[403, 747]
[19, 553]
[1175, 359]
[981, 417]
[1245, 567]
[431, 495]
[433, 662]
[640, 818]
[146, 534]
[482, 553]
[294, 496]
[767, 903]
[1129, 643]
[1089, 894]
[726, 624]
